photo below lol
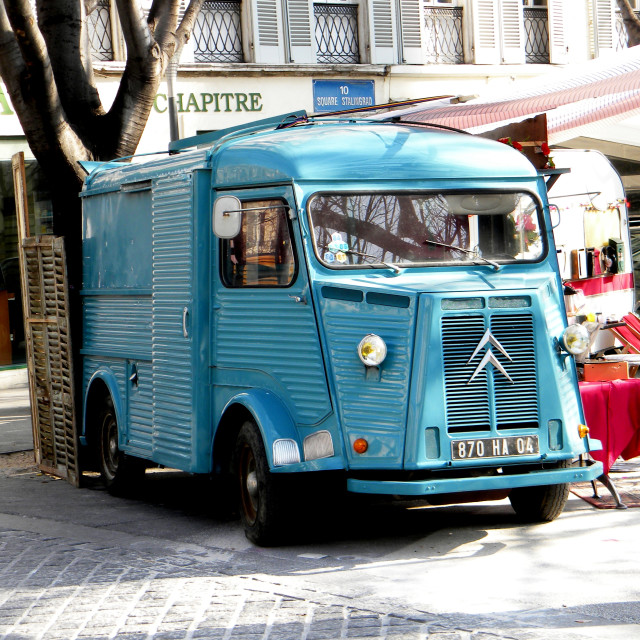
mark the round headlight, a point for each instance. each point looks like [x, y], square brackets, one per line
[575, 339]
[372, 350]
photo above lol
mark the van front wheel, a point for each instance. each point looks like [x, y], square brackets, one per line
[539, 504]
[261, 498]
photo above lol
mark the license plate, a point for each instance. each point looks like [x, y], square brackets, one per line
[504, 447]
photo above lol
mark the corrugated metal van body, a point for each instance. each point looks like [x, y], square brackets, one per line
[370, 404]
[145, 332]
[178, 345]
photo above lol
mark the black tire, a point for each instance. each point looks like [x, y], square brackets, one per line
[540, 504]
[119, 472]
[260, 494]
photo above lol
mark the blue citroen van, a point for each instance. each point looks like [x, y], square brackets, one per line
[374, 301]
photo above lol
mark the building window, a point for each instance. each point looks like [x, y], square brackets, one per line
[337, 33]
[536, 31]
[217, 33]
[100, 32]
[443, 35]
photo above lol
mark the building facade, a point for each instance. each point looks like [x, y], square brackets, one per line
[251, 59]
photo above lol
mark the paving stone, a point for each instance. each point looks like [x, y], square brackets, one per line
[53, 588]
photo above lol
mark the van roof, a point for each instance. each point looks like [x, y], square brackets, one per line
[338, 151]
[332, 151]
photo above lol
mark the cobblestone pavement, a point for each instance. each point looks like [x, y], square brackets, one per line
[65, 577]
[60, 589]
[72, 587]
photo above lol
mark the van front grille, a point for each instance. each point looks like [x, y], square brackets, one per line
[479, 396]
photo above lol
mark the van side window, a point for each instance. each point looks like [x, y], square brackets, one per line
[261, 255]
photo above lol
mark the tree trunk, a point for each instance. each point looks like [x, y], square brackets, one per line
[46, 68]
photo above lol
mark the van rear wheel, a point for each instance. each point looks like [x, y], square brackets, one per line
[118, 471]
[261, 499]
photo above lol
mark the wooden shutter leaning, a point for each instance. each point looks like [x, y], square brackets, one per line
[45, 301]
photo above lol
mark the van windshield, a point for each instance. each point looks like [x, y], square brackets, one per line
[362, 230]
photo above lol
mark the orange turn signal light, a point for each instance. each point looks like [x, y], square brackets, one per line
[583, 430]
[360, 445]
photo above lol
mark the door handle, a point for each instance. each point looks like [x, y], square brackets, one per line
[185, 319]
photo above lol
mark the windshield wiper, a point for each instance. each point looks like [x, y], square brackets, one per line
[393, 267]
[471, 252]
[368, 255]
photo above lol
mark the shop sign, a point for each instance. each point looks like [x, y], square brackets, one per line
[336, 95]
[210, 102]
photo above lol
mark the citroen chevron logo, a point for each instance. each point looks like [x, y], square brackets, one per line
[489, 339]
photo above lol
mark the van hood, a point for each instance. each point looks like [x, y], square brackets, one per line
[482, 280]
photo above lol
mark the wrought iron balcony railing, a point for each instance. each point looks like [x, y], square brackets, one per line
[100, 34]
[443, 35]
[337, 33]
[536, 30]
[217, 33]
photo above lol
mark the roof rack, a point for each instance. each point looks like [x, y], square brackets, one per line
[257, 125]
[284, 121]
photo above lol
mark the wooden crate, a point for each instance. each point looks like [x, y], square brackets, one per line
[602, 371]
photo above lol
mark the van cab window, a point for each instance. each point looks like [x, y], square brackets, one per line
[261, 255]
[361, 230]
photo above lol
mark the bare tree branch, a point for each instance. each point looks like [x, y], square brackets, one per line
[165, 24]
[12, 65]
[136, 32]
[631, 23]
[34, 94]
[188, 21]
[144, 71]
[62, 25]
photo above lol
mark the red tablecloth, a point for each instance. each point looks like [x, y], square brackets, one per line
[612, 413]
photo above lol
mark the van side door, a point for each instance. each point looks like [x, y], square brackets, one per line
[265, 333]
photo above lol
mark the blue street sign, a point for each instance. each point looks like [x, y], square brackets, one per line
[336, 95]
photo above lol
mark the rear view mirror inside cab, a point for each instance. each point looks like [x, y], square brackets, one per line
[485, 203]
[227, 217]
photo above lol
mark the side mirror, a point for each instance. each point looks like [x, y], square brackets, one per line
[227, 217]
[554, 214]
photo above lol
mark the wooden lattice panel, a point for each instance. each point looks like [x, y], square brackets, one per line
[48, 342]
[49, 355]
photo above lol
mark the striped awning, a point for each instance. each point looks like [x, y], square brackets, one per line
[575, 100]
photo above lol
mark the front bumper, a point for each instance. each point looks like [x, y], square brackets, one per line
[480, 483]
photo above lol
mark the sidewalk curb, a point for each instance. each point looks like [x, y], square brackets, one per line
[10, 378]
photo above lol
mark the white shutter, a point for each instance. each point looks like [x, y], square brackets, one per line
[299, 20]
[604, 26]
[267, 27]
[512, 32]
[411, 28]
[485, 32]
[558, 49]
[382, 30]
